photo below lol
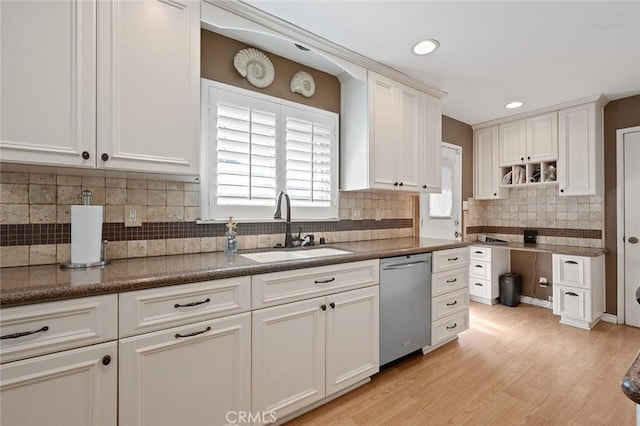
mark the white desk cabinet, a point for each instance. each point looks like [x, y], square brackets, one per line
[578, 289]
[485, 268]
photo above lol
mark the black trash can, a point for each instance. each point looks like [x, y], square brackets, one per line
[510, 289]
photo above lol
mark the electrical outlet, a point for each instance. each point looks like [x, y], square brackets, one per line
[132, 216]
[550, 298]
[378, 214]
[356, 213]
[543, 282]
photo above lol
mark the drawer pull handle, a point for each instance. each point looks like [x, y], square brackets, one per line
[195, 333]
[187, 305]
[24, 333]
[333, 305]
[452, 327]
[323, 307]
[570, 293]
[480, 285]
[571, 262]
[452, 259]
[452, 281]
[478, 266]
[330, 280]
[455, 302]
[478, 252]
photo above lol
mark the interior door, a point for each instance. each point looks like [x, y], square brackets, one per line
[631, 227]
[440, 213]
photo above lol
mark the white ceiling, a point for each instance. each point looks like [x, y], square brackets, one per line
[543, 53]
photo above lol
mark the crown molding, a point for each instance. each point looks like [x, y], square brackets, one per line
[317, 43]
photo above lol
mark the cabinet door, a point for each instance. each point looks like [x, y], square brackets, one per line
[48, 70]
[431, 144]
[189, 375]
[410, 142]
[383, 138]
[352, 337]
[485, 147]
[73, 388]
[572, 302]
[542, 137]
[148, 85]
[288, 356]
[513, 143]
[577, 150]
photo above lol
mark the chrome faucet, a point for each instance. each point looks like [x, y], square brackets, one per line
[288, 240]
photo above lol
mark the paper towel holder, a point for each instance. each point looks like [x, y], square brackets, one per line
[102, 262]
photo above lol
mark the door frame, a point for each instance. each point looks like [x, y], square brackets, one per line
[620, 218]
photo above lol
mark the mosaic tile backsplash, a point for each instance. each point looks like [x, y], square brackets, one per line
[567, 220]
[35, 218]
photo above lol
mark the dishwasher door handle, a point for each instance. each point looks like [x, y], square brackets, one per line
[403, 265]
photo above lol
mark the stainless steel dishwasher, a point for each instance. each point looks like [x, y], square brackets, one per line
[405, 305]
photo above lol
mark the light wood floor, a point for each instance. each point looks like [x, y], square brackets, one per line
[513, 366]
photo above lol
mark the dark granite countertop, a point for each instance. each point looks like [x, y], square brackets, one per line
[36, 284]
[547, 248]
[631, 381]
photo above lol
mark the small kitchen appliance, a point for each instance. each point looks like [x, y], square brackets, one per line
[530, 236]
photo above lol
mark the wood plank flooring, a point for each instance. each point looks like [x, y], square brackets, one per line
[513, 366]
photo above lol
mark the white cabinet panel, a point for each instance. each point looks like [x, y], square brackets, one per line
[448, 304]
[352, 346]
[542, 137]
[444, 260]
[484, 286]
[431, 180]
[189, 375]
[288, 356]
[148, 85]
[48, 72]
[410, 142]
[486, 182]
[73, 388]
[479, 269]
[447, 328]
[444, 282]
[383, 131]
[480, 288]
[513, 143]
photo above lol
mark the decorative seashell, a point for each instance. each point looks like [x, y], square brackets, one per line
[302, 82]
[255, 66]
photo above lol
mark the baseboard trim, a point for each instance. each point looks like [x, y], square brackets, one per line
[609, 318]
[536, 302]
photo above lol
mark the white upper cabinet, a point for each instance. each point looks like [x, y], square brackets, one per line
[534, 139]
[48, 84]
[432, 127]
[148, 85]
[133, 65]
[388, 129]
[486, 182]
[581, 150]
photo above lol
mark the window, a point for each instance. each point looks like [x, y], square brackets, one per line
[255, 146]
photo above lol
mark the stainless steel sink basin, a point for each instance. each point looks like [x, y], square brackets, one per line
[279, 256]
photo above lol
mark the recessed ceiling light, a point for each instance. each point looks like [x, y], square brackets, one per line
[426, 46]
[514, 104]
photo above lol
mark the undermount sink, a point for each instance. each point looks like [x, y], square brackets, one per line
[279, 256]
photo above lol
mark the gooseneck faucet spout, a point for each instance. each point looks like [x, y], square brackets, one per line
[288, 240]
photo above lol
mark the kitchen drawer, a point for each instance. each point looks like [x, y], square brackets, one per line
[572, 302]
[447, 304]
[288, 286]
[448, 327]
[479, 269]
[480, 288]
[445, 282]
[480, 253]
[159, 308]
[54, 326]
[445, 260]
[572, 270]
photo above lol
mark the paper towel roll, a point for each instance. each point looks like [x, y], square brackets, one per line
[86, 233]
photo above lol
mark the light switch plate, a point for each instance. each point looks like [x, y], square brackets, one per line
[356, 214]
[132, 216]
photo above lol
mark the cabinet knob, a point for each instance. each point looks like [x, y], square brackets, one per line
[106, 360]
[105, 156]
[528, 158]
[562, 190]
[424, 186]
[395, 184]
[495, 194]
[333, 305]
[521, 158]
[401, 184]
[323, 307]
[86, 155]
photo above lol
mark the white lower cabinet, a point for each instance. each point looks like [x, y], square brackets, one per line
[198, 374]
[305, 351]
[485, 267]
[76, 387]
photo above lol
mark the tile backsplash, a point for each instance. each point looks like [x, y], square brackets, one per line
[35, 218]
[563, 220]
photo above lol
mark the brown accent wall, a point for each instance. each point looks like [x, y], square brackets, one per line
[458, 133]
[532, 266]
[217, 53]
[618, 114]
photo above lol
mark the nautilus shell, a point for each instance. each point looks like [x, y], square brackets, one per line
[302, 82]
[255, 67]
